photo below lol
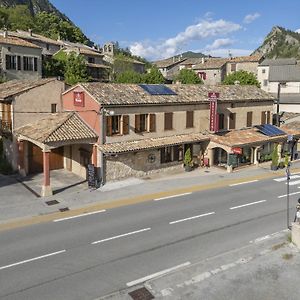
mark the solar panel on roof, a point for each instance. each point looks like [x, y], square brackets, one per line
[270, 130]
[157, 89]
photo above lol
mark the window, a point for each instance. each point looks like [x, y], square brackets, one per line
[170, 154]
[10, 62]
[53, 108]
[232, 118]
[145, 123]
[233, 67]
[202, 75]
[265, 83]
[47, 46]
[189, 119]
[265, 117]
[27, 63]
[91, 60]
[249, 118]
[221, 121]
[168, 121]
[117, 125]
[263, 71]
[35, 64]
[19, 65]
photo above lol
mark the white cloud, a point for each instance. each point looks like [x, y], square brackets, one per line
[198, 32]
[218, 43]
[250, 18]
[298, 30]
[224, 52]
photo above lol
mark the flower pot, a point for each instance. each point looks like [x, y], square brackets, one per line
[188, 168]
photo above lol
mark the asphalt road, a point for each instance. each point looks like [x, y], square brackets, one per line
[96, 254]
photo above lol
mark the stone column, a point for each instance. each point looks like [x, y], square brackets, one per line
[46, 188]
[252, 155]
[95, 156]
[21, 165]
[255, 161]
[210, 155]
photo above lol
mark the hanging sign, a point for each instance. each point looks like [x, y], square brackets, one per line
[78, 98]
[237, 150]
[213, 118]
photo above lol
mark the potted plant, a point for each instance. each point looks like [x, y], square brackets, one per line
[188, 162]
[275, 158]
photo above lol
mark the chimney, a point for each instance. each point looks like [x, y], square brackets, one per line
[30, 31]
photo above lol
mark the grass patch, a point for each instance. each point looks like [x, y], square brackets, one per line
[278, 246]
[287, 256]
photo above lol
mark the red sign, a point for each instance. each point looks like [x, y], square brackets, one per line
[78, 98]
[213, 116]
[237, 150]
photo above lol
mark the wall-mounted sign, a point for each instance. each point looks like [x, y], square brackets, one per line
[78, 98]
[213, 116]
[237, 150]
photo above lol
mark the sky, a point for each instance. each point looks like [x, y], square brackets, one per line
[158, 29]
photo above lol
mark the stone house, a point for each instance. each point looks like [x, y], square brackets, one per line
[169, 67]
[147, 128]
[19, 59]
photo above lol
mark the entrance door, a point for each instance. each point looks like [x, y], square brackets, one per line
[57, 159]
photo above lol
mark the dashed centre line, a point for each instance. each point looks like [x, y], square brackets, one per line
[248, 204]
[192, 218]
[173, 196]
[120, 236]
[245, 182]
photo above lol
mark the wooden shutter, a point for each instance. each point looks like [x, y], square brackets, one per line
[168, 121]
[249, 118]
[268, 117]
[189, 119]
[152, 123]
[137, 123]
[221, 121]
[108, 126]
[232, 121]
[263, 117]
[125, 124]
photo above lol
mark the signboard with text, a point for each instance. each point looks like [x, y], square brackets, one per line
[237, 150]
[78, 98]
[213, 116]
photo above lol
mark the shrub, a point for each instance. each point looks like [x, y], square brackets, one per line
[275, 156]
[188, 158]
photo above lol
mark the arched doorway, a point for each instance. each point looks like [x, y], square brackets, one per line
[220, 157]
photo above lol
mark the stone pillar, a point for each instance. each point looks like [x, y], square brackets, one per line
[95, 156]
[255, 161]
[21, 165]
[252, 155]
[46, 188]
[210, 156]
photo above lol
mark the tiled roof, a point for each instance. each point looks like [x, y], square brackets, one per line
[13, 87]
[89, 52]
[250, 58]
[288, 73]
[34, 37]
[289, 98]
[133, 94]
[211, 63]
[152, 143]
[278, 62]
[193, 61]
[248, 136]
[58, 127]
[168, 62]
[17, 41]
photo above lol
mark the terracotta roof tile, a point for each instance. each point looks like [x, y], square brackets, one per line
[211, 63]
[152, 143]
[250, 58]
[164, 63]
[58, 127]
[17, 41]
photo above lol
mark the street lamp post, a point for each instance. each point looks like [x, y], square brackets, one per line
[288, 175]
[104, 113]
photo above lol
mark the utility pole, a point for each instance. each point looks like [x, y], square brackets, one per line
[278, 102]
[288, 175]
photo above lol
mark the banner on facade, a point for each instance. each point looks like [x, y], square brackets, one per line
[237, 150]
[78, 98]
[213, 116]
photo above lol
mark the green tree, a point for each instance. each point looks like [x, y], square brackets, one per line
[129, 76]
[243, 77]
[75, 69]
[154, 76]
[3, 18]
[187, 76]
[19, 17]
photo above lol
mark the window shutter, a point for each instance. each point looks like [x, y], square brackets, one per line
[268, 117]
[249, 118]
[168, 121]
[125, 124]
[152, 123]
[108, 126]
[263, 117]
[189, 119]
[137, 123]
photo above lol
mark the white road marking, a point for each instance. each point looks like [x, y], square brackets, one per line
[143, 279]
[191, 218]
[31, 259]
[284, 178]
[294, 182]
[173, 196]
[248, 204]
[121, 235]
[283, 196]
[268, 236]
[235, 184]
[78, 216]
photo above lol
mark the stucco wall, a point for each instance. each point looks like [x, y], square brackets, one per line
[36, 103]
[245, 66]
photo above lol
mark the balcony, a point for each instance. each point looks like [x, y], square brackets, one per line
[5, 127]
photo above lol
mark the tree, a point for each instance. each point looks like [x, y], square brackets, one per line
[3, 17]
[242, 77]
[129, 76]
[19, 17]
[154, 76]
[76, 69]
[187, 76]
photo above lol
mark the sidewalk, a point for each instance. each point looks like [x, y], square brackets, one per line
[263, 269]
[18, 202]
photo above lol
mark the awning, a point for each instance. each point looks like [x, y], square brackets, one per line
[152, 143]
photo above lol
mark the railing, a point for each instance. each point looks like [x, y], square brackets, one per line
[5, 126]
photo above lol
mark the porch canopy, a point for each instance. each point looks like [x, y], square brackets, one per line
[53, 131]
[152, 143]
